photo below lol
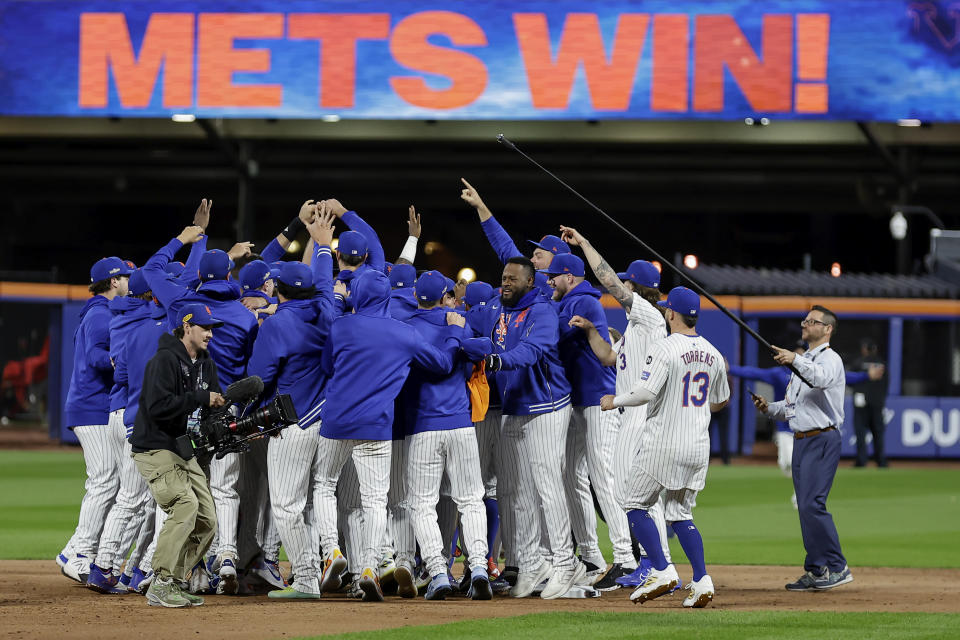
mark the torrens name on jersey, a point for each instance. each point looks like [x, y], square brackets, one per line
[696, 355]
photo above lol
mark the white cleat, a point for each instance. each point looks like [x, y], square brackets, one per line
[563, 580]
[701, 593]
[658, 583]
[527, 581]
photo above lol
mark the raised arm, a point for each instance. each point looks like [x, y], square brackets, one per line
[499, 239]
[278, 246]
[321, 266]
[409, 251]
[375, 256]
[169, 291]
[598, 344]
[604, 272]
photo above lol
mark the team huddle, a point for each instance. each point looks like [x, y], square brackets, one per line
[434, 419]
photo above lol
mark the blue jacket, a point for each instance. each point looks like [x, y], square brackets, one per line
[589, 380]
[375, 257]
[232, 343]
[368, 357]
[403, 304]
[140, 345]
[88, 400]
[289, 347]
[482, 319]
[531, 377]
[121, 307]
[506, 249]
[440, 401]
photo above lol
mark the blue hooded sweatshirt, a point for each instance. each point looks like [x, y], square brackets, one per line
[506, 249]
[289, 347]
[142, 338]
[123, 308]
[403, 303]
[481, 319]
[368, 357]
[531, 378]
[232, 343]
[88, 400]
[436, 401]
[589, 380]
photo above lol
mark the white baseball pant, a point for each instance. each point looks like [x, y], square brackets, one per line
[350, 516]
[224, 475]
[144, 538]
[576, 483]
[645, 492]
[488, 435]
[602, 437]
[101, 455]
[399, 534]
[292, 465]
[540, 441]
[124, 521]
[455, 452]
[372, 461]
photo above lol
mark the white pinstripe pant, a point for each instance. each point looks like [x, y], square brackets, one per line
[101, 455]
[488, 436]
[372, 461]
[625, 453]
[138, 557]
[454, 451]
[224, 478]
[577, 479]
[537, 443]
[127, 515]
[350, 516]
[292, 465]
[399, 535]
[601, 439]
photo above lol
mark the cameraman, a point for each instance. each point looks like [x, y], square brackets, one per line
[179, 381]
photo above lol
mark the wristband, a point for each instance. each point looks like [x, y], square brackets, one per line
[409, 249]
[293, 228]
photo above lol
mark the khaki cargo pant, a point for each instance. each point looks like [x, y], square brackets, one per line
[182, 491]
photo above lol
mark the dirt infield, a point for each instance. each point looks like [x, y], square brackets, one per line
[37, 602]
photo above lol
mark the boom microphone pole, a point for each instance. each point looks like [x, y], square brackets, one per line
[693, 284]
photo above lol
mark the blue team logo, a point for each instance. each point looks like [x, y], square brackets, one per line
[501, 331]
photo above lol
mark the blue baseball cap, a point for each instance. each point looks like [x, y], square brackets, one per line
[553, 244]
[296, 274]
[642, 273]
[199, 314]
[402, 276]
[477, 293]
[564, 263]
[174, 268]
[387, 267]
[451, 285]
[683, 301]
[352, 243]
[215, 265]
[275, 269]
[430, 286]
[138, 283]
[112, 267]
[254, 274]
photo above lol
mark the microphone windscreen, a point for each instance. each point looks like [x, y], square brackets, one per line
[249, 387]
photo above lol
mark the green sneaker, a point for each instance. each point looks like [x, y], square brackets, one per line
[166, 593]
[292, 594]
[195, 601]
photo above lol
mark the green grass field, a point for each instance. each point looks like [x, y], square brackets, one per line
[891, 518]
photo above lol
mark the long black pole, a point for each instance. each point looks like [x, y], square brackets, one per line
[693, 284]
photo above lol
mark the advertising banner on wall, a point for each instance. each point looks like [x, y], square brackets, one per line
[879, 60]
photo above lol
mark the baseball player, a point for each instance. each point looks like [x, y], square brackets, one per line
[367, 356]
[86, 412]
[637, 292]
[536, 414]
[590, 380]
[443, 440]
[257, 284]
[230, 348]
[130, 509]
[286, 356]
[684, 380]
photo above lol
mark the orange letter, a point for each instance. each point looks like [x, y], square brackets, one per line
[105, 44]
[671, 54]
[410, 48]
[610, 84]
[338, 34]
[767, 86]
[217, 60]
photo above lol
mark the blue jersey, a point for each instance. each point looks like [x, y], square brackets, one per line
[88, 400]
[140, 345]
[123, 309]
[589, 379]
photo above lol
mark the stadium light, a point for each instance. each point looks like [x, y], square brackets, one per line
[432, 247]
[335, 243]
[898, 226]
[294, 247]
[467, 274]
[330, 117]
[183, 117]
[909, 122]
[835, 270]
[659, 267]
[690, 261]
